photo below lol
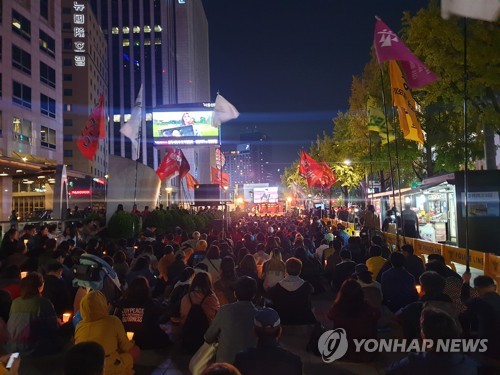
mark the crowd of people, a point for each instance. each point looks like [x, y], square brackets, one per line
[239, 291]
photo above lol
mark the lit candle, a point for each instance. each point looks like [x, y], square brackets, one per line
[66, 317]
[419, 289]
[130, 335]
[25, 242]
[24, 274]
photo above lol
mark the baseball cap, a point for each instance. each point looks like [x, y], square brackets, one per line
[267, 318]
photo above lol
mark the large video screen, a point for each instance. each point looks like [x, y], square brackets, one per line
[184, 127]
[265, 195]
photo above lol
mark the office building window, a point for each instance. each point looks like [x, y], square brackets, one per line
[68, 92]
[68, 153]
[44, 9]
[21, 130]
[47, 44]
[68, 43]
[21, 94]
[0, 40]
[66, 10]
[47, 75]
[21, 25]
[0, 85]
[21, 59]
[68, 122]
[67, 62]
[47, 106]
[66, 26]
[67, 77]
[48, 137]
[68, 137]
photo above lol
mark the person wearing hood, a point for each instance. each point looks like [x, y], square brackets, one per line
[108, 331]
[291, 296]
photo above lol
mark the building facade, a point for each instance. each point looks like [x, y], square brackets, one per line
[31, 115]
[259, 146]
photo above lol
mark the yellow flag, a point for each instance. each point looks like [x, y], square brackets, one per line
[403, 100]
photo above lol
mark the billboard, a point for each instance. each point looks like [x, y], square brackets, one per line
[179, 126]
[265, 195]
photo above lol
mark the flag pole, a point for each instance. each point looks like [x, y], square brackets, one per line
[397, 164]
[389, 149]
[466, 155]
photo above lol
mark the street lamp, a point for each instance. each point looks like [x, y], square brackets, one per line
[347, 162]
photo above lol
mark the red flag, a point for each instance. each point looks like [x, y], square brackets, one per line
[310, 169]
[191, 181]
[169, 166]
[184, 166]
[328, 177]
[88, 141]
[388, 46]
[219, 177]
[216, 177]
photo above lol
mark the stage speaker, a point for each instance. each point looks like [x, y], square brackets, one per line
[207, 195]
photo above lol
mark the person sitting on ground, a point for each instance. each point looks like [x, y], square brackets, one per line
[268, 358]
[198, 308]
[398, 285]
[175, 294]
[342, 271]
[353, 246]
[232, 327]
[311, 270]
[108, 331]
[433, 288]
[225, 286]
[141, 314]
[248, 267]
[351, 312]
[273, 270]
[86, 358]
[291, 297]
[377, 240]
[413, 264]
[483, 312]
[375, 262]
[435, 325]
[141, 268]
[372, 290]
[199, 253]
[331, 256]
[212, 260]
[453, 284]
[55, 289]
[33, 324]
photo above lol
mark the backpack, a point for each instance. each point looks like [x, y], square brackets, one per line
[194, 328]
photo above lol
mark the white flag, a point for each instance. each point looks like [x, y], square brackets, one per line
[223, 111]
[131, 128]
[486, 10]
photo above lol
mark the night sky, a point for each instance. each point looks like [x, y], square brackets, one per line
[287, 65]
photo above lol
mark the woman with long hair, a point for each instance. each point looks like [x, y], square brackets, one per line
[33, 324]
[212, 260]
[248, 267]
[273, 270]
[139, 313]
[351, 312]
[224, 287]
[201, 296]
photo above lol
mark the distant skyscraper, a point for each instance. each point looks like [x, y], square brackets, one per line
[162, 44]
[259, 146]
[85, 72]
